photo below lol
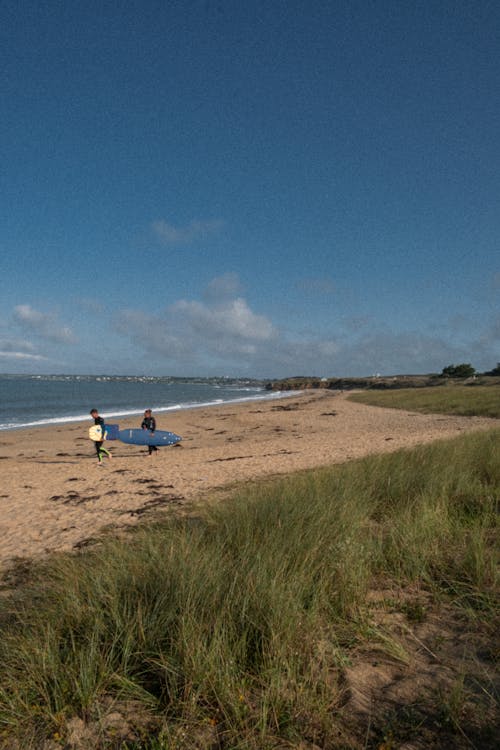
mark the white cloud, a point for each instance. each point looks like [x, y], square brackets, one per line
[222, 288]
[169, 234]
[21, 356]
[16, 345]
[232, 319]
[18, 350]
[44, 325]
[221, 334]
[216, 332]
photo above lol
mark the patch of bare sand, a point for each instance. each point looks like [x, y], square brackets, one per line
[426, 676]
[55, 497]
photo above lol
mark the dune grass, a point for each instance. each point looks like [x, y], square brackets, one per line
[467, 401]
[231, 629]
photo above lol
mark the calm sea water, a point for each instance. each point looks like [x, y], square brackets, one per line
[31, 400]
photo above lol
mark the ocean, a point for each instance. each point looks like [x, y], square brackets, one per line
[37, 400]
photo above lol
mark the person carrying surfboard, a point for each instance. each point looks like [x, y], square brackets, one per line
[149, 423]
[99, 443]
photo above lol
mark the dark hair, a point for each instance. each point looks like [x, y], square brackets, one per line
[93, 410]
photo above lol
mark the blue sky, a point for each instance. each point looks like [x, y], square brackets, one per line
[249, 188]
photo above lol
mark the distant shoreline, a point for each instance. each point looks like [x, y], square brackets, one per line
[378, 382]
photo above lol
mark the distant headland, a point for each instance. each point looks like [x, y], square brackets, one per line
[377, 382]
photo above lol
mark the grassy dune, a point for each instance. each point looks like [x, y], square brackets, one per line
[245, 626]
[467, 401]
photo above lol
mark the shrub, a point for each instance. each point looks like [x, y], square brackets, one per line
[464, 370]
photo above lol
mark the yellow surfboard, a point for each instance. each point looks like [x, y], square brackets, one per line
[95, 433]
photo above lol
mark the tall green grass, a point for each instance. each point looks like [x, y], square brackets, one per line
[235, 625]
[467, 401]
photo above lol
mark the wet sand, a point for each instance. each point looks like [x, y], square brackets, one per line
[54, 496]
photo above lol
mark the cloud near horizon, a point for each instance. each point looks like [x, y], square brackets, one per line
[222, 331]
[19, 356]
[193, 332]
[219, 333]
[16, 349]
[44, 325]
[19, 345]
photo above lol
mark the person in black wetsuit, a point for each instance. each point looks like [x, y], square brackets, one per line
[149, 423]
[99, 443]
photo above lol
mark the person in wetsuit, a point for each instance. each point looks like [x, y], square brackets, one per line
[99, 443]
[149, 423]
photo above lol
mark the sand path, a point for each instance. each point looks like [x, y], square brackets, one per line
[54, 496]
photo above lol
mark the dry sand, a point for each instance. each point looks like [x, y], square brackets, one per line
[54, 496]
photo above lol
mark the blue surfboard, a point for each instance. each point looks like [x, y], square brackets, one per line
[145, 437]
[112, 431]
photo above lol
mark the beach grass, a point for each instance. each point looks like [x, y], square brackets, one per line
[236, 628]
[467, 401]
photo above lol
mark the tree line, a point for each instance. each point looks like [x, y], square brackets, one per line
[466, 370]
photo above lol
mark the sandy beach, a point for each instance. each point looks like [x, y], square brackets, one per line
[54, 496]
